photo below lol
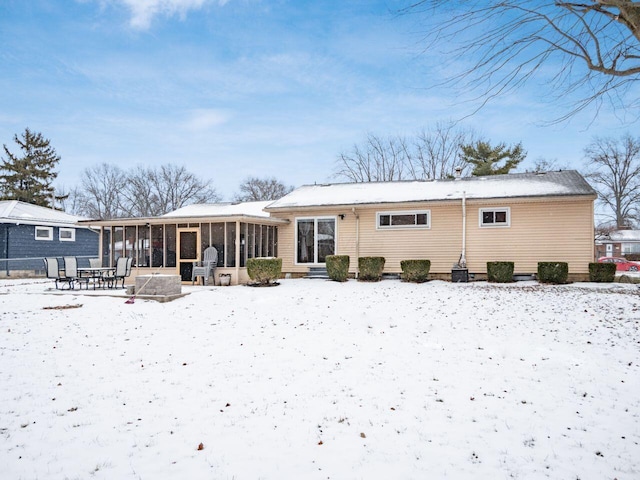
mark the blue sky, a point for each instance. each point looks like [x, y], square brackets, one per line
[241, 88]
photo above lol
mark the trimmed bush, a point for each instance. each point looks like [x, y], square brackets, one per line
[264, 270]
[553, 272]
[632, 257]
[416, 271]
[338, 267]
[602, 272]
[500, 272]
[370, 268]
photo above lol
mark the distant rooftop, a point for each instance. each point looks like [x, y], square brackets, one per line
[562, 183]
[14, 211]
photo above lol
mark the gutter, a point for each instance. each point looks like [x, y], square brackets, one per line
[353, 209]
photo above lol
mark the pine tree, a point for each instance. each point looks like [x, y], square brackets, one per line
[485, 158]
[29, 177]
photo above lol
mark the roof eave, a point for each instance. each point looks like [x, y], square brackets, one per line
[189, 219]
[592, 196]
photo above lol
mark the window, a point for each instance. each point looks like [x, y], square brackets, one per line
[67, 234]
[417, 219]
[44, 233]
[495, 217]
[315, 239]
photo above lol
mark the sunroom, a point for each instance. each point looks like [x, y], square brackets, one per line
[170, 243]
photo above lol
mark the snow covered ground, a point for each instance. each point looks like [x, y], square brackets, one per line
[318, 380]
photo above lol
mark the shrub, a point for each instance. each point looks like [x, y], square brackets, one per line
[553, 272]
[416, 271]
[500, 272]
[264, 270]
[632, 257]
[338, 267]
[602, 272]
[370, 268]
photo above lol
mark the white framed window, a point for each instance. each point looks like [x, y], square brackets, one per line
[404, 219]
[315, 239]
[44, 233]
[67, 234]
[495, 217]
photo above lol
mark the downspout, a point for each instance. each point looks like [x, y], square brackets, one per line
[353, 209]
[6, 251]
[463, 256]
[237, 253]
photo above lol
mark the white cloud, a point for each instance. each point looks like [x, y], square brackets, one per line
[204, 119]
[143, 11]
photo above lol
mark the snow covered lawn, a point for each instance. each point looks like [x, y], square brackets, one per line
[314, 379]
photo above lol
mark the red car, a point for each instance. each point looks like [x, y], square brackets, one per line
[622, 264]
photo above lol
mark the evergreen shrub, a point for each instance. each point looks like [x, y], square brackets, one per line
[553, 272]
[416, 271]
[338, 267]
[264, 270]
[500, 272]
[370, 268]
[602, 272]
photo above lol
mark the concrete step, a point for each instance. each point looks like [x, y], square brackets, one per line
[317, 272]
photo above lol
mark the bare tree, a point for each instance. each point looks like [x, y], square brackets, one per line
[596, 44]
[254, 189]
[100, 194]
[138, 196]
[108, 192]
[431, 154]
[378, 160]
[174, 187]
[615, 175]
[436, 151]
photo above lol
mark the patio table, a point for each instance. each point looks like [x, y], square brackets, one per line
[96, 274]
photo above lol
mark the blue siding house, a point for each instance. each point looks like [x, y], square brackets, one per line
[28, 233]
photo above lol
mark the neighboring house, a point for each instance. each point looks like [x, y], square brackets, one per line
[524, 218]
[28, 233]
[618, 243]
[172, 242]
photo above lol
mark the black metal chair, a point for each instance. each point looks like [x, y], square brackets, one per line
[122, 271]
[53, 271]
[71, 271]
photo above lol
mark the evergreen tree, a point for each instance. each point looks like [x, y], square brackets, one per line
[29, 177]
[485, 158]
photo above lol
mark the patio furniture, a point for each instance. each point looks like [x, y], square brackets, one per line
[123, 270]
[95, 262]
[53, 271]
[206, 267]
[96, 275]
[71, 271]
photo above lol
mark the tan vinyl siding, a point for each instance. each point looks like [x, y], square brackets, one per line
[553, 230]
[548, 229]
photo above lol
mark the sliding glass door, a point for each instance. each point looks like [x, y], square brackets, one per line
[315, 239]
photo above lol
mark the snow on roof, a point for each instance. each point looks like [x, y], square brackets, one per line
[562, 183]
[622, 236]
[252, 209]
[14, 211]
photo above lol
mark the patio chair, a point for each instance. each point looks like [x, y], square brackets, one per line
[95, 262]
[53, 271]
[71, 271]
[206, 267]
[123, 270]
